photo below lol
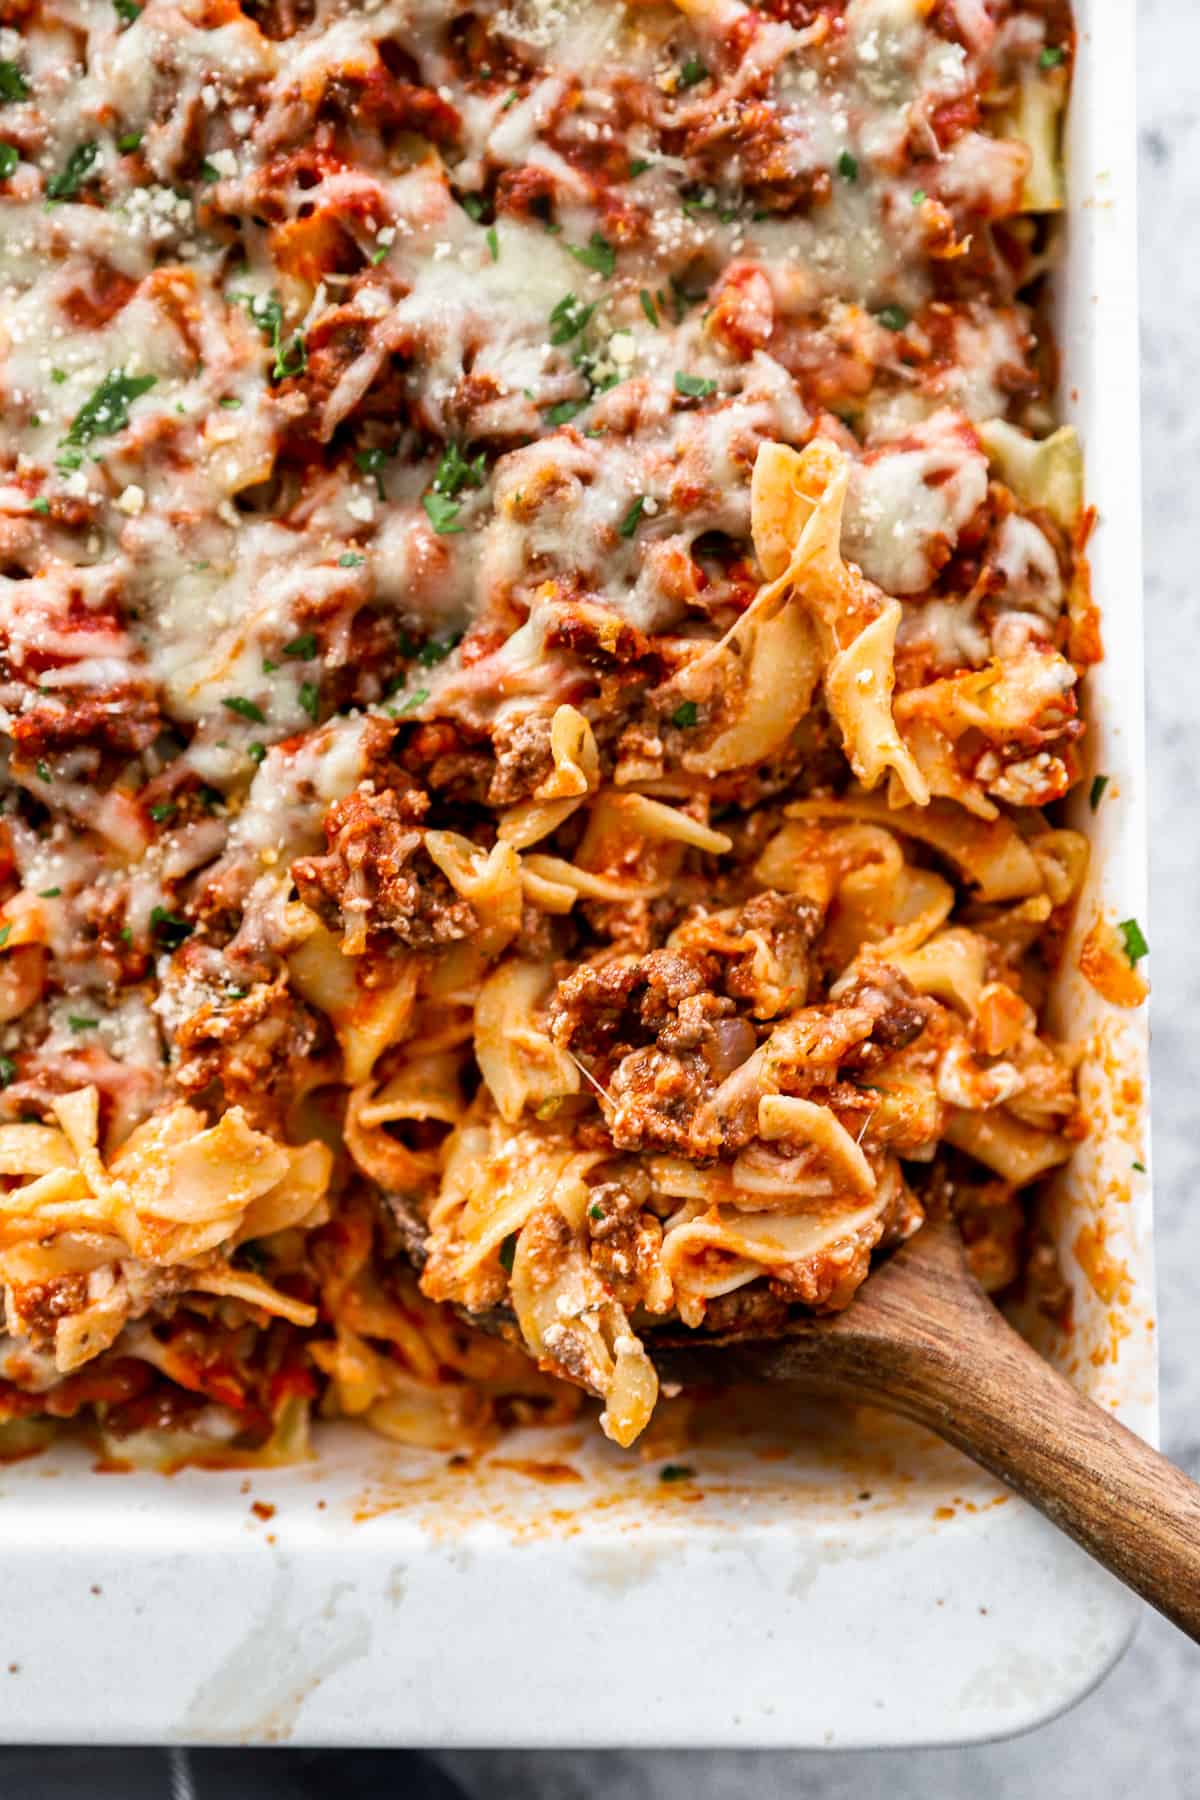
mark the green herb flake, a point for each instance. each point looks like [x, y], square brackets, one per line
[49, 893]
[493, 243]
[5, 933]
[169, 928]
[565, 411]
[131, 141]
[245, 709]
[162, 810]
[350, 559]
[371, 463]
[648, 307]
[508, 1252]
[256, 752]
[1096, 792]
[510, 100]
[10, 158]
[442, 513]
[380, 255]
[638, 166]
[107, 410]
[1140, 1167]
[597, 254]
[42, 771]
[1051, 57]
[13, 85]
[1134, 940]
[692, 73]
[415, 699]
[676, 1472]
[569, 318]
[8, 1070]
[77, 169]
[58, 376]
[230, 402]
[595, 1212]
[919, 196]
[128, 10]
[310, 699]
[436, 650]
[40, 505]
[209, 172]
[81, 1024]
[847, 166]
[456, 471]
[694, 387]
[473, 206]
[629, 523]
[302, 648]
[685, 715]
[894, 317]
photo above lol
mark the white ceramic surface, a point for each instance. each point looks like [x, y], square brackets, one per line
[866, 1589]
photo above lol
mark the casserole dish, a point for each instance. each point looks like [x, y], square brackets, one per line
[823, 1581]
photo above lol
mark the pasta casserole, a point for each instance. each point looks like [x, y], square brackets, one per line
[542, 606]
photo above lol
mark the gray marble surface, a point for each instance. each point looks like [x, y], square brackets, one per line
[1139, 1732]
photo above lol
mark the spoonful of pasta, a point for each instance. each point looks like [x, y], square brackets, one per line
[922, 1339]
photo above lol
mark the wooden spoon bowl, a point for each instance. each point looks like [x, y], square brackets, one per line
[922, 1339]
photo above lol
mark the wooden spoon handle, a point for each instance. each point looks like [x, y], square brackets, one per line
[1012, 1412]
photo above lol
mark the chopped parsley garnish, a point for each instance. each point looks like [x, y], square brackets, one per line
[685, 715]
[108, 408]
[493, 243]
[638, 166]
[597, 254]
[80, 1024]
[13, 85]
[510, 100]
[379, 255]
[629, 523]
[169, 928]
[49, 893]
[414, 700]
[473, 206]
[564, 411]
[5, 933]
[77, 169]
[918, 196]
[1051, 57]
[676, 1472]
[508, 1252]
[1096, 792]
[58, 376]
[847, 166]
[303, 648]
[648, 306]
[208, 172]
[256, 752]
[10, 158]
[131, 141]
[371, 463]
[162, 810]
[8, 1070]
[230, 402]
[569, 318]
[245, 709]
[692, 72]
[595, 1212]
[290, 359]
[128, 10]
[694, 387]
[456, 471]
[350, 559]
[894, 317]
[269, 667]
[40, 505]
[442, 513]
[1134, 940]
[1140, 1167]
[436, 650]
[310, 699]
[42, 771]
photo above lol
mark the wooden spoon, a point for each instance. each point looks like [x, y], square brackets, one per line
[921, 1338]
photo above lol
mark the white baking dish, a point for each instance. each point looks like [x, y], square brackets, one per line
[852, 1584]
